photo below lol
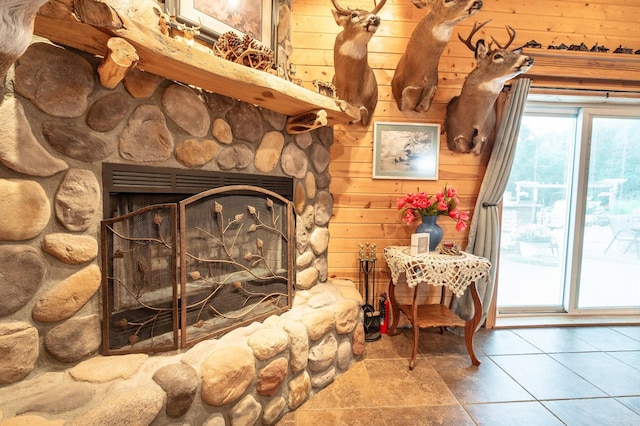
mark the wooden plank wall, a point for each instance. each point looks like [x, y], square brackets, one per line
[365, 208]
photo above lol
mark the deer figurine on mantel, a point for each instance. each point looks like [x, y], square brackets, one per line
[354, 79]
[415, 79]
[470, 117]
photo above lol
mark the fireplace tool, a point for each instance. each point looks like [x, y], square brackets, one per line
[367, 259]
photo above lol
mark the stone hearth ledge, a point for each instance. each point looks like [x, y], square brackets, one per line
[252, 375]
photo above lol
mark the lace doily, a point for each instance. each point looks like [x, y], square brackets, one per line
[454, 272]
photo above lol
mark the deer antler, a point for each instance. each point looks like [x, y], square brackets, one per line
[378, 6]
[339, 8]
[512, 35]
[475, 29]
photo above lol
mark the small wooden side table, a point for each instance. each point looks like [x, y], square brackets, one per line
[455, 272]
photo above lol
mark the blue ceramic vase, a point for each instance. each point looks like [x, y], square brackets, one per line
[429, 225]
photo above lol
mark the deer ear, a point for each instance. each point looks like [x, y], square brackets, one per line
[340, 19]
[481, 49]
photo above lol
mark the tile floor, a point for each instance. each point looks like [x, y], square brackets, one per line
[530, 376]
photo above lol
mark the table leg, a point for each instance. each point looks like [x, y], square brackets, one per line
[472, 324]
[395, 308]
[415, 327]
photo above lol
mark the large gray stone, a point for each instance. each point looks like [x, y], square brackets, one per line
[323, 208]
[74, 339]
[77, 142]
[245, 122]
[22, 270]
[107, 112]
[237, 156]
[323, 353]
[275, 119]
[294, 161]
[146, 137]
[185, 108]
[77, 200]
[320, 157]
[56, 80]
[68, 296]
[180, 382]
[19, 349]
[25, 209]
[319, 240]
[19, 149]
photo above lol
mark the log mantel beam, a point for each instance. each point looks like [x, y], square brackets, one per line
[87, 25]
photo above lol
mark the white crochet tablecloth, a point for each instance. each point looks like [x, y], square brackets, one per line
[455, 272]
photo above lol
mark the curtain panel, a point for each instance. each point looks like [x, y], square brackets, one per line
[484, 231]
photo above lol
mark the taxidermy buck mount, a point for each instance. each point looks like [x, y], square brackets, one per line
[354, 79]
[16, 30]
[470, 117]
[415, 80]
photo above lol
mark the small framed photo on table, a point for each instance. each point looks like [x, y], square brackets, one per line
[419, 244]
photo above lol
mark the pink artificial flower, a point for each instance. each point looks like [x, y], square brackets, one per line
[465, 215]
[442, 205]
[460, 226]
[452, 192]
[454, 213]
[408, 216]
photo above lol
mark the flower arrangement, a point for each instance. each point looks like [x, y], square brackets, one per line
[442, 203]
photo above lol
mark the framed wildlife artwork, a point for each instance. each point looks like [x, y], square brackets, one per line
[252, 17]
[406, 151]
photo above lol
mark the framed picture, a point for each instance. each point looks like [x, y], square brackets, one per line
[253, 17]
[406, 151]
[419, 243]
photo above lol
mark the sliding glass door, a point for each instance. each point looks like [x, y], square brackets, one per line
[570, 238]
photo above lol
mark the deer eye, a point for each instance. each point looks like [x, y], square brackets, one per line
[354, 15]
[498, 57]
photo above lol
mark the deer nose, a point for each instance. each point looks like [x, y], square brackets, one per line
[374, 20]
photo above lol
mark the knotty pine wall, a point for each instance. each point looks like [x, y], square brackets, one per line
[365, 208]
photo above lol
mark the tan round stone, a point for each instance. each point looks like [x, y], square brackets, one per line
[221, 130]
[71, 249]
[226, 374]
[25, 209]
[66, 298]
[268, 153]
[299, 389]
[196, 153]
[310, 185]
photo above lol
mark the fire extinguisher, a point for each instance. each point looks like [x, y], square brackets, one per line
[384, 313]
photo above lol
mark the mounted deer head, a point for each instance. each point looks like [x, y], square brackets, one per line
[354, 79]
[415, 80]
[470, 117]
[16, 30]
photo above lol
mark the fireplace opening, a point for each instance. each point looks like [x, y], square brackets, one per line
[180, 268]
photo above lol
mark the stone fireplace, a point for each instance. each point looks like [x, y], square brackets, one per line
[59, 129]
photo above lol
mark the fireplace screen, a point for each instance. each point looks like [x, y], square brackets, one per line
[233, 251]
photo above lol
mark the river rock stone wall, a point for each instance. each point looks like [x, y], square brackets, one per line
[58, 125]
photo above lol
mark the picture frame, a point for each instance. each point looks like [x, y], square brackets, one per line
[256, 18]
[406, 151]
[420, 243]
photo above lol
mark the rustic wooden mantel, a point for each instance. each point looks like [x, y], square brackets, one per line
[88, 25]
